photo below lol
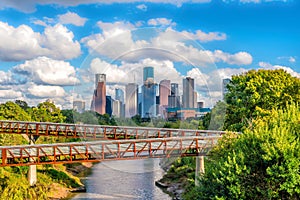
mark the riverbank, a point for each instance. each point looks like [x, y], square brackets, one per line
[179, 178]
[75, 171]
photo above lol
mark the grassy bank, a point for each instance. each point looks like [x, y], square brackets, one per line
[53, 182]
[179, 178]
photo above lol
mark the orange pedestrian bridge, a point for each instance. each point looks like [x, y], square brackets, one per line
[100, 143]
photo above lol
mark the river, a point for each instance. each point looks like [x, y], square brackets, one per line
[125, 179]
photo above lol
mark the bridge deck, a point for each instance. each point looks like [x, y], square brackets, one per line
[105, 150]
[96, 132]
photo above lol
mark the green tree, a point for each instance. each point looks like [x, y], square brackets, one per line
[215, 119]
[22, 104]
[12, 111]
[256, 92]
[70, 115]
[261, 163]
[47, 112]
[87, 117]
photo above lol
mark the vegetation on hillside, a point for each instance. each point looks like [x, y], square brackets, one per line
[263, 162]
[13, 180]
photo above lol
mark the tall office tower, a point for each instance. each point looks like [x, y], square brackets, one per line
[200, 104]
[149, 100]
[99, 97]
[131, 107]
[109, 105]
[148, 104]
[225, 82]
[164, 92]
[148, 75]
[117, 106]
[174, 89]
[188, 93]
[195, 99]
[79, 106]
[174, 99]
[119, 94]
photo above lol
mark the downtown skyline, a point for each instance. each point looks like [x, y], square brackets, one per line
[149, 100]
[47, 47]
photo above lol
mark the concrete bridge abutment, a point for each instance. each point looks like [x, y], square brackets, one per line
[32, 172]
[200, 170]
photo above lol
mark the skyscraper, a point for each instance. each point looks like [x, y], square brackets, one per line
[119, 95]
[148, 74]
[109, 105]
[79, 106]
[117, 106]
[174, 89]
[174, 99]
[131, 108]
[99, 97]
[148, 94]
[188, 93]
[149, 100]
[164, 92]
[195, 99]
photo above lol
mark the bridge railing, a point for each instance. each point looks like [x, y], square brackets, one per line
[97, 131]
[105, 150]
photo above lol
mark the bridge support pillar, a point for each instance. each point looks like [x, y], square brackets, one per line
[32, 178]
[199, 168]
[32, 175]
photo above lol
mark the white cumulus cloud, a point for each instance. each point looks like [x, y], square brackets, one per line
[22, 43]
[10, 94]
[116, 42]
[160, 22]
[142, 7]
[289, 70]
[46, 91]
[72, 18]
[6, 78]
[43, 70]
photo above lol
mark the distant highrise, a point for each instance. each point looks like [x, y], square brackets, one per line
[174, 99]
[225, 82]
[200, 104]
[148, 74]
[99, 97]
[149, 100]
[79, 106]
[131, 107]
[174, 89]
[188, 93]
[119, 94]
[148, 104]
[109, 105]
[117, 106]
[164, 92]
[195, 99]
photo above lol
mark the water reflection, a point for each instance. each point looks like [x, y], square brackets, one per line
[134, 179]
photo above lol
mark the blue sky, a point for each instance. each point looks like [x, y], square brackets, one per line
[52, 49]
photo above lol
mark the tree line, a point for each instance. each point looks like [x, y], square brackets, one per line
[263, 162]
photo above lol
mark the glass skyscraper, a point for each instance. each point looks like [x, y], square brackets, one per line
[119, 95]
[148, 74]
[99, 97]
[149, 100]
[188, 93]
[131, 107]
[148, 104]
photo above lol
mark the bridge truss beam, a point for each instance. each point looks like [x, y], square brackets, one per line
[105, 150]
[96, 132]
